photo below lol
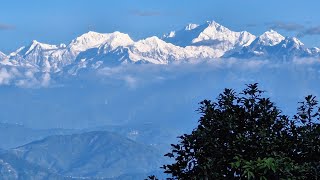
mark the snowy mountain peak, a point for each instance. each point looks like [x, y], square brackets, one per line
[212, 31]
[115, 40]
[86, 41]
[216, 38]
[191, 26]
[62, 45]
[214, 24]
[216, 27]
[90, 34]
[272, 45]
[43, 45]
[291, 42]
[34, 42]
[93, 40]
[151, 43]
[315, 50]
[297, 41]
[35, 45]
[153, 39]
[270, 38]
[218, 34]
[170, 35]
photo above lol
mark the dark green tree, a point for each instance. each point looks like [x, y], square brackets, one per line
[245, 136]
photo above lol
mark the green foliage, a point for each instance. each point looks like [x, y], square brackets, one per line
[267, 168]
[245, 136]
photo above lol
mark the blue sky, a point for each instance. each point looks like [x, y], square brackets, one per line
[60, 21]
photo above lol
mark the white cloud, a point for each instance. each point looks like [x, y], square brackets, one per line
[22, 77]
[307, 61]
[170, 91]
[46, 80]
[4, 77]
[130, 81]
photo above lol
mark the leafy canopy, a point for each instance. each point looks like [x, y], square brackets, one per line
[245, 136]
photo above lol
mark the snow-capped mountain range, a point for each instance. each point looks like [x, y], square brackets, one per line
[272, 45]
[194, 42]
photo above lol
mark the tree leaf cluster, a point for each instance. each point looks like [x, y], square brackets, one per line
[245, 136]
